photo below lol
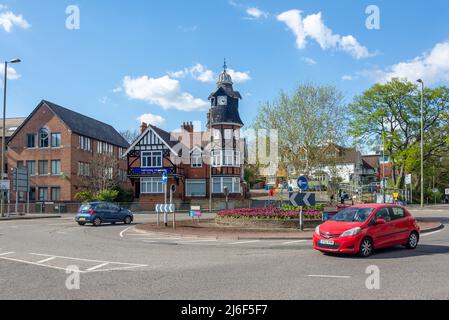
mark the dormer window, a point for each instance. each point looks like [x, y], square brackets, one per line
[196, 159]
[44, 138]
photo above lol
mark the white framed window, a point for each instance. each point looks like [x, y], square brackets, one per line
[196, 159]
[217, 134]
[151, 185]
[151, 159]
[226, 158]
[85, 143]
[44, 138]
[228, 134]
[195, 188]
[233, 184]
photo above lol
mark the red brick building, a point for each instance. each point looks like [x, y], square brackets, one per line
[186, 156]
[58, 146]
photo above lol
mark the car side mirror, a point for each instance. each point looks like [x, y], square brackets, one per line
[380, 221]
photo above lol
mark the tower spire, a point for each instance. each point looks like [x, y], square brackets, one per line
[225, 66]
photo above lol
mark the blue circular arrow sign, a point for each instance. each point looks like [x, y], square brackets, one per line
[303, 183]
[164, 178]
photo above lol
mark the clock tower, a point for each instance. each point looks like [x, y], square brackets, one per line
[224, 123]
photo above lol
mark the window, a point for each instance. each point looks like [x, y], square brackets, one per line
[85, 144]
[55, 140]
[195, 188]
[44, 138]
[233, 184]
[31, 140]
[197, 160]
[384, 214]
[43, 194]
[228, 158]
[103, 147]
[31, 166]
[55, 193]
[56, 167]
[152, 159]
[228, 134]
[43, 167]
[217, 134]
[398, 213]
[83, 169]
[151, 185]
[225, 158]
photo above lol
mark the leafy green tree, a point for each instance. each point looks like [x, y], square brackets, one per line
[390, 115]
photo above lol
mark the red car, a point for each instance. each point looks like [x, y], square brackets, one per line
[362, 228]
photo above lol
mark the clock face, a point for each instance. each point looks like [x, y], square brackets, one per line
[222, 100]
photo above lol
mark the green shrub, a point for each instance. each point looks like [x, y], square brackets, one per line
[107, 195]
[85, 196]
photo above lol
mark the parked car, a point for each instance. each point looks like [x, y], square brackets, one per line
[361, 229]
[97, 213]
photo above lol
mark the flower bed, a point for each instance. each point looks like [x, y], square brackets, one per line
[270, 213]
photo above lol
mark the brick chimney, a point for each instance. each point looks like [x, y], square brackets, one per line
[187, 126]
[143, 127]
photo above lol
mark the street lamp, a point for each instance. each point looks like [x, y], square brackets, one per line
[4, 128]
[422, 142]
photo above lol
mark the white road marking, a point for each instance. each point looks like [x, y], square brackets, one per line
[197, 241]
[46, 260]
[98, 266]
[430, 233]
[243, 242]
[293, 242]
[123, 231]
[157, 238]
[6, 253]
[327, 276]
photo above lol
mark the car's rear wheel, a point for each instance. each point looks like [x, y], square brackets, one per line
[413, 241]
[127, 220]
[97, 222]
[81, 223]
[366, 247]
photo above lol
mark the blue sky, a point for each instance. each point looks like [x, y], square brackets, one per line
[160, 58]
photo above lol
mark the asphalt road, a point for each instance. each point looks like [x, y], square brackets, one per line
[116, 262]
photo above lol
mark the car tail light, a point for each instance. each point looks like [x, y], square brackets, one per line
[92, 211]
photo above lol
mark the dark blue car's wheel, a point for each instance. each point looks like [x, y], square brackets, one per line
[97, 222]
[127, 220]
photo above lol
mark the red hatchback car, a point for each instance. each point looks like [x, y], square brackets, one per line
[362, 228]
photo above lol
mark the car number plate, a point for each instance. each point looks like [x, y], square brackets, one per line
[327, 242]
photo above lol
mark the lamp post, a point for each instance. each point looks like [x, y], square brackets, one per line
[422, 142]
[4, 129]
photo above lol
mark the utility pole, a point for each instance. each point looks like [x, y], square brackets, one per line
[422, 142]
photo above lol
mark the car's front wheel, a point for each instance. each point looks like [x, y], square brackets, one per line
[413, 241]
[97, 222]
[127, 220]
[81, 223]
[366, 248]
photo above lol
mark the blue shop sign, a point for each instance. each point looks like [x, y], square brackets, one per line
[151, 171]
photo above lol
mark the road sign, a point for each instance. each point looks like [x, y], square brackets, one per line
[446, 192]
[5, 185]
[302, 199]
[303, 183]
[164, 178]
[408, 179]
[396, 195]
[21, 180]
[165, 208]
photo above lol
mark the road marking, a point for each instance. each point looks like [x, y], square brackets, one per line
[89, 260]
[123, 231]
[327, 276]
[6, 253]
[292, 242]
[98, 266]
[430, 233]
[197, 241]
[46, 260]
[157, 238]
[243, 242]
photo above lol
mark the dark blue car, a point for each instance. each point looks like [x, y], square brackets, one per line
[97, 213]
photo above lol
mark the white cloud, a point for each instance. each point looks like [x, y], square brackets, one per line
[238, 76]
[347, 77]
[164, 92]
[432, 67]
[117, 90]
[12, 73]
[8, 20]
[256, 13]
[309, 60]
[203, 74]
[152, 119]
[312, 26]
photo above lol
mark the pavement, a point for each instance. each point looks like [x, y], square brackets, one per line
[31, 216]
[118, 262]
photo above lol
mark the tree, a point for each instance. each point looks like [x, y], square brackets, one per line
[308, 120]
[103, 174]
[390, 115]
[130, 135]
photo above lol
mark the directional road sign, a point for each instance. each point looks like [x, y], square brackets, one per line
[21, 180]
[164, 178]
[302, 199]
[303, 183]
[165, 208]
